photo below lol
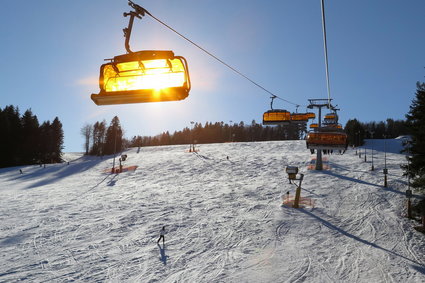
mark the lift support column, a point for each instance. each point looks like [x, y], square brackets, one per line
[319, 103]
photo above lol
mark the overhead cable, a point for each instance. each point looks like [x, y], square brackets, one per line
[144, 11]
[326, 52]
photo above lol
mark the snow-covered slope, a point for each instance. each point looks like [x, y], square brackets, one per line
[223, 217]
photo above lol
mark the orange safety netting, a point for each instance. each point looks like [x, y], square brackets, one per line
[289, 201]
[325, 164]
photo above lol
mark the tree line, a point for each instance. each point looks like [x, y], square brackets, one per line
[358, 131]
[24, 141]
[220, 132]
[100, 139]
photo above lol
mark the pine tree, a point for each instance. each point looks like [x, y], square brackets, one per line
[355, 132]
[45, 143]
[98, 137]
[416, 122]
[30, 131]
[10, 137]
[57, 141]
[114, 134]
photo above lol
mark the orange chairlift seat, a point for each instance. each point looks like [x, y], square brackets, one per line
[299, 118]
[310, 115]
[143, 76]
[314, 126]
[327, 140]
[331, 116]
[333, 126]
[277, 117]
[330, 119]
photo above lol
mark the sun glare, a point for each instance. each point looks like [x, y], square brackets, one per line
[149, 74]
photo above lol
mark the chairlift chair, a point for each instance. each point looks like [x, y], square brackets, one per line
[142, 76]
[314, 126]
[299, 118]
[327, 140]
[277, 117]
[311, 115]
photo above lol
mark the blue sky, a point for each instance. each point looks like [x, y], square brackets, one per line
[52, 50]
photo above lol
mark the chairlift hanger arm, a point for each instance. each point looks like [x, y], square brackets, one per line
[138, 12]
[271, 103]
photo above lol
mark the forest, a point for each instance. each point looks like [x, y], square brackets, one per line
[220, 132]
[25, 141]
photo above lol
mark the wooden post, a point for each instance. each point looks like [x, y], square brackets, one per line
[298, 192]
[297, 197]
[409, 208]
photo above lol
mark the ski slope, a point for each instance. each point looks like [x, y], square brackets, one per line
[224, 218]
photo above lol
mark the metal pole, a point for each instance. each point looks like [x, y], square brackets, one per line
[319, 163]
[356, 141]
[373, 168]
[191, 138]
[365, 159]
[385, 181]
[115, 150]
[230, 129]
[385, 152]
[360, 150]
[408, 165]
[409, 203]
[385, 162]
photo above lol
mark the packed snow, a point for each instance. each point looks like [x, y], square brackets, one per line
[223, 215]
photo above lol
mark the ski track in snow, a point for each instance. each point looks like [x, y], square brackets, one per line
[223, 218]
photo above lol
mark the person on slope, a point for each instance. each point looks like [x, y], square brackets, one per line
[161, 235]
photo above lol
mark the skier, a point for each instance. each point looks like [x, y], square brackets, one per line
[161, 235]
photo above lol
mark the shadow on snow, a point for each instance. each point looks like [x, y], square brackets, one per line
[56, 172]
[417, 266]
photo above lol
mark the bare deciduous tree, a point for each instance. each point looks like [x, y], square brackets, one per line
[86, 132]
